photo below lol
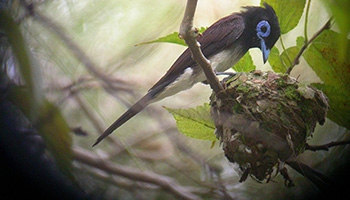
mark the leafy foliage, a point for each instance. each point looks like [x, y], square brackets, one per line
[170, 38]
[55, 130]
[281, 62]
[245, 64]
[288, 13]
[195, 122]
[323, 56]
[341, 14]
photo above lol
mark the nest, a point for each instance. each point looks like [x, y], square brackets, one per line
[265, 119]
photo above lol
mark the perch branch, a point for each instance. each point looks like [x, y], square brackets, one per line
[189, 34]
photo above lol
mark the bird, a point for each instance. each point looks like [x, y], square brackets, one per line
[224, 43]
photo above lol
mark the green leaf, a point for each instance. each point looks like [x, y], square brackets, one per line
[323, 57]
[170, 38]
[55, 131]
[28, 68]
[339, 104]
[288, 56]
[245, 64]
[300, 41]
[288, 12]
[280, 63]
[276, 61]
[195, 122]
[341, 14]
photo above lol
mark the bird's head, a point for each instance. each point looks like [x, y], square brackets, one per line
[262, 28]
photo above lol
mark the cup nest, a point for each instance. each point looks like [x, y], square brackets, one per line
[264, 119]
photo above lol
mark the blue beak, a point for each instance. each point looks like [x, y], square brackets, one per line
[265, 51]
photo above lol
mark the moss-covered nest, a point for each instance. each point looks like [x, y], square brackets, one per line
[265, 119]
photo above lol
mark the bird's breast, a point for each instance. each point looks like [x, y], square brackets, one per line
[225, 59]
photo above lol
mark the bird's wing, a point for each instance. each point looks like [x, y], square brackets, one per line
[217, 37]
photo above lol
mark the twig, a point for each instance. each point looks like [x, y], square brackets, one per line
[189, 34]
[164, 182]
[306, 20]
[307, 43]
[325, 147]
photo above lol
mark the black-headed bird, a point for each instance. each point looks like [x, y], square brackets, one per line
[224, 43]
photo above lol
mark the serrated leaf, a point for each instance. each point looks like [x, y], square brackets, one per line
[323, 57]
[245, 64]
[195, 122]
[288, 12]
[170, 38]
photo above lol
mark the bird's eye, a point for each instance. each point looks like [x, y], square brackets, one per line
[263, 29]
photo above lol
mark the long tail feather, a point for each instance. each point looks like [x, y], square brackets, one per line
[152, 95]
[136, 108]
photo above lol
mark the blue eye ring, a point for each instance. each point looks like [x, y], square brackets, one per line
[260, 25]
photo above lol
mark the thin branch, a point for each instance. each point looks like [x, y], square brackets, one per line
[325, 147]
[189, 34]
[307, 43]
[323, 182]
[306, 19]
[284, 49]
[164, 182]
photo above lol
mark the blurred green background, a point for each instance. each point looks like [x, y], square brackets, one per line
[92, 71]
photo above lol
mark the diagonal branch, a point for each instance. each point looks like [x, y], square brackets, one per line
[307, 43]
[189, 34]
[323, 182]
[325, 147]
